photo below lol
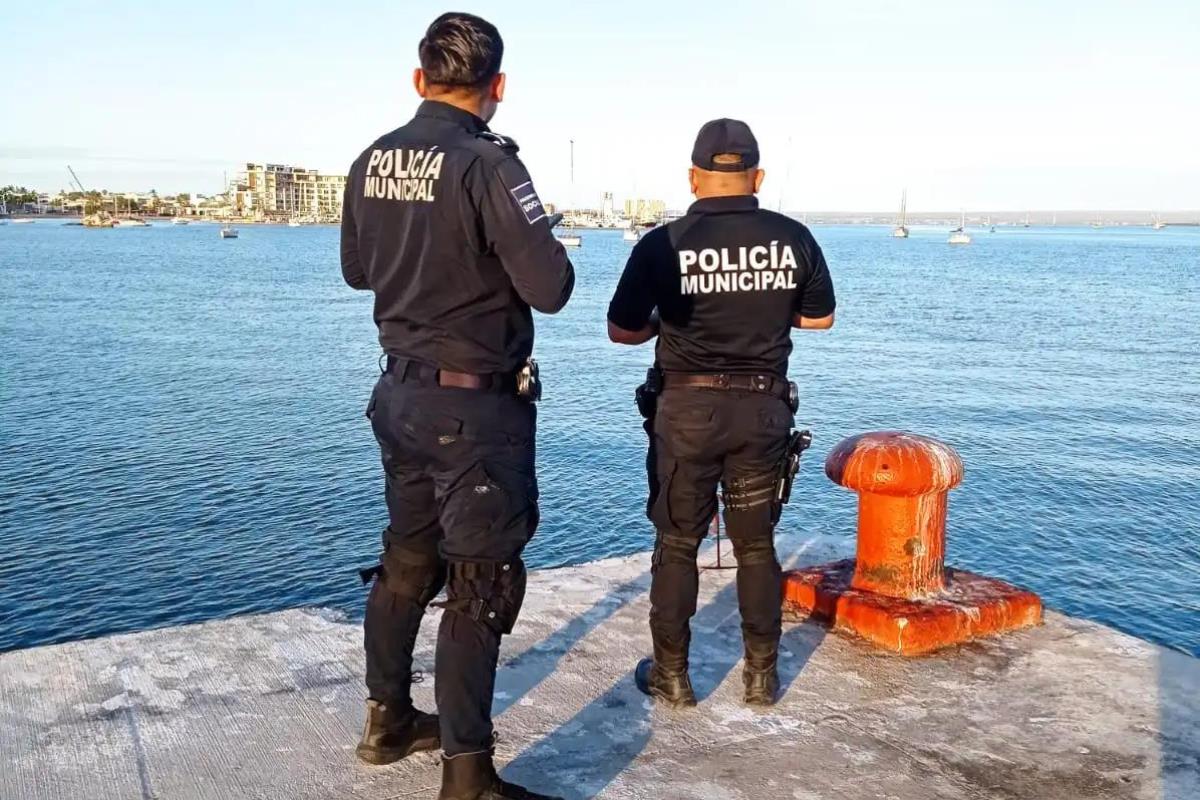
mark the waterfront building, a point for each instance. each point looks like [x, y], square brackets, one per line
[642, 211]
[279, 192]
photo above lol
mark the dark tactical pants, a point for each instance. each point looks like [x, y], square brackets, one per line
[704, 439]
[462, 502]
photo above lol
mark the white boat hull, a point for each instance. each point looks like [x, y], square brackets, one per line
[960, 238]
[900, 232]
[570, 241]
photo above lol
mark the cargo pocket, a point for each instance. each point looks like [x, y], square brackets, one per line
[491, 513]
[660, 511]
[371, 403]
[520, 490]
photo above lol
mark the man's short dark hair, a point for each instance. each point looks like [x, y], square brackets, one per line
[461, 50]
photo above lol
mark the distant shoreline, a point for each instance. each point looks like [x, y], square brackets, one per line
[1006, 219]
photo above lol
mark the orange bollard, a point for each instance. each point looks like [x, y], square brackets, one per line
[897, 592]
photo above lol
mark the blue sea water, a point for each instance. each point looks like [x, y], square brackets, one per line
[182, 433]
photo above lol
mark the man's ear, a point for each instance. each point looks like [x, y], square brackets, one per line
[692, 179]
[759, 174]
[419, 82]
[498, 85]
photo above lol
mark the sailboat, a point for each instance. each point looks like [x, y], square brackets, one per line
[570, 238]
[959, 235]
[229, 232]
[901, 229]
[1158, 223]
[631, 234]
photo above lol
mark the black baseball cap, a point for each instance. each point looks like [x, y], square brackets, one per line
[725, 137]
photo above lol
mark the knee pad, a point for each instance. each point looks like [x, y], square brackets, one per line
[752, 550]
[671, 548]
[490, 593]
[412, 575]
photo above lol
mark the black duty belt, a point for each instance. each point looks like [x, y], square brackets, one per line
[763, 382]
[406, 370]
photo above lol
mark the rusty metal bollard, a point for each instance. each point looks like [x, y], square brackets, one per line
[897, 592]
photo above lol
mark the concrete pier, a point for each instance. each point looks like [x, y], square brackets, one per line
[271, 706]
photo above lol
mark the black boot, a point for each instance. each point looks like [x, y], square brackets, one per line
[671, 687]
[760, 676]
[473, 777]
[390, 736]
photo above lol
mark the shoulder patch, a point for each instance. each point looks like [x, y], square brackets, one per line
[503, 142]
[528, 201]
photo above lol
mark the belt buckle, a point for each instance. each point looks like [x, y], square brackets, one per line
[721, 381]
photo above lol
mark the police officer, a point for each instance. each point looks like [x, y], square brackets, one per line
[441, 222]
[721, 288]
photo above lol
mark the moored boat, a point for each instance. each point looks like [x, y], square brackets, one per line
[901, 229]
[959, 235]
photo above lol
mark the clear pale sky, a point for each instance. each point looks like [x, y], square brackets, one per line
[999, 105]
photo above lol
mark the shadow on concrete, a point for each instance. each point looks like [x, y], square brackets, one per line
[1179, 725]
[799, 642]
[585, 754]
[716, 641]
[524, 671]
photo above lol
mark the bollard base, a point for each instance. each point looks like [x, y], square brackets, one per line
[972, 606]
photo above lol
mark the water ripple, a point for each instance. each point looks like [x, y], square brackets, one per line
[182, 432]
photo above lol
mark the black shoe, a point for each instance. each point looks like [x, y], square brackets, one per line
[473, 777]
[674, 689]
[389, 736]
[762, 688]
[760, 677]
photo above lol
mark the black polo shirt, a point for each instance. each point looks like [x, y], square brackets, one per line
[726, 279]
[442, 223]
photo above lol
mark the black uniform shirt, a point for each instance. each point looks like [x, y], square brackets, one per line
[727, 279]
[441, 221]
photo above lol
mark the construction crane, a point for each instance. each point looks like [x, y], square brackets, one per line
[75, 178]
[99, 218]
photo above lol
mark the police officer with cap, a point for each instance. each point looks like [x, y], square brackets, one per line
[721, 288]
[441, 222]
